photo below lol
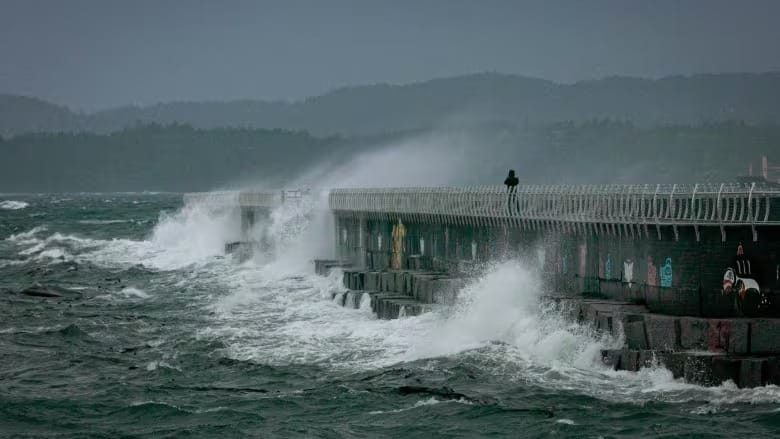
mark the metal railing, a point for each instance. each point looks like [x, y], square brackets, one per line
[569, 205]
[257, 199]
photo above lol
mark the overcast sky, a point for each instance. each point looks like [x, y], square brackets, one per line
[101, 53]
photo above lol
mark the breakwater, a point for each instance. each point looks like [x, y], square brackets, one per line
[687, 275]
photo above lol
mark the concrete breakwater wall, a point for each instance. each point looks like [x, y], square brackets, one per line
[663, 258]
[688, 275]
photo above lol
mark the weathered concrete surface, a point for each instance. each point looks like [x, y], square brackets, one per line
[693, 333]
[704, 368]
[765, 336]
[323, 267]
[662, 332]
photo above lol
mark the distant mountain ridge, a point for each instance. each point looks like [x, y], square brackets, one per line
[461, 100]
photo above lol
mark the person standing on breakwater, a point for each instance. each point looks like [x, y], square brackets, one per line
[511, 188]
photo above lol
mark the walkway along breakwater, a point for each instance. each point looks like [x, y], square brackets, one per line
[686, 275]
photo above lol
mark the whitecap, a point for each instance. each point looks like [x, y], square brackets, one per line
[13, 204]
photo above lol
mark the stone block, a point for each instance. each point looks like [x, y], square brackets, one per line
[693, 333]
[765, 336]
[662, 332]
[751, 372]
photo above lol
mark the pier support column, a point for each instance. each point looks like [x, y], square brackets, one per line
[247, 220]
[361, 244]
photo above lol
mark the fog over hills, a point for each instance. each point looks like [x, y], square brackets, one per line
[461, 101]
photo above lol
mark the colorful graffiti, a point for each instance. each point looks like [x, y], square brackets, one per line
[628, 272]
[665, 273]
[398, 235]
[652, 272]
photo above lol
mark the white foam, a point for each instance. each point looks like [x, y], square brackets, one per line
[13, 204]
[423, 403]
[134, 292]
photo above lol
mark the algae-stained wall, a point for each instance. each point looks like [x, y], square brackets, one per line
[678, 273]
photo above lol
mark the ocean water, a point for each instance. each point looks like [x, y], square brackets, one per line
[157, 334]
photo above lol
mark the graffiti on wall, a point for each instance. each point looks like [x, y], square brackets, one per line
[652, 272]
[739, 277]
[628, 272]
[397, 243]
[665, 273]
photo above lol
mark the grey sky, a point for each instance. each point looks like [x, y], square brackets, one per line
[95, 54]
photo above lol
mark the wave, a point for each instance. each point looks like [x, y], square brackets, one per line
[13, 204]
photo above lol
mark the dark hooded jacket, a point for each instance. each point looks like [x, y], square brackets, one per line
[511, 181]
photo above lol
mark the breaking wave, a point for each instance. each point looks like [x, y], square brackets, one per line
[13, 205]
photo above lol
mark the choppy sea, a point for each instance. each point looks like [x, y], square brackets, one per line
[158, 334]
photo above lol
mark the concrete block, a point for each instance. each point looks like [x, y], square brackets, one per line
[635, 335]
[444, 291]
[765, 336]
[772, 375]
[611, 357]
[590, 313]
[371, 281]
[725, 368]
[728, 335]
[751, 372]
[693, 333]
[398, 282]
[409, 283]
[646, 358]
[674, 361]
[629, 360]
[698, 368]
[358, 279]
[604, 322]
[662, 332]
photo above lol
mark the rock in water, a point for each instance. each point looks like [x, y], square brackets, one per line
[39, 291]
